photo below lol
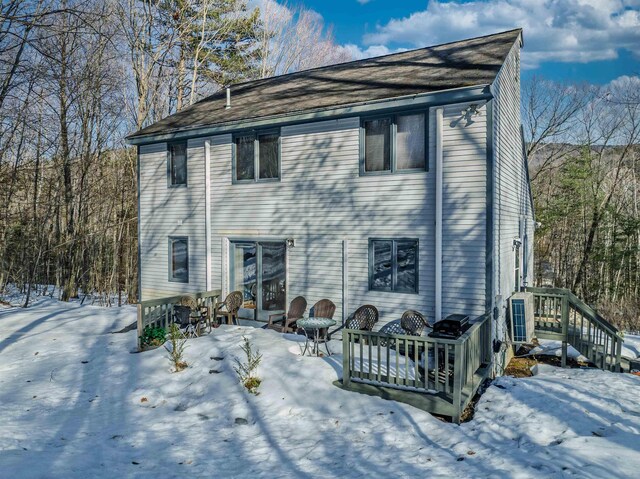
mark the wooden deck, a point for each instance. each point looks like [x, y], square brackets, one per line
[159, 312]
[440, 376]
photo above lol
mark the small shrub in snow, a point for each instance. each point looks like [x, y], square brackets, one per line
[177, 344]
[152, 337]
[246, 371]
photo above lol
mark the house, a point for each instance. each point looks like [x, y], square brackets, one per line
[399, 181]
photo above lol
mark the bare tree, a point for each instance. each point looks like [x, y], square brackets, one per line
[294, 39]
[550, 113]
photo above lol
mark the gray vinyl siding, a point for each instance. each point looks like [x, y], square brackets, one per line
[165, 212]
[464, 217]
[512, 207]
[324, 203]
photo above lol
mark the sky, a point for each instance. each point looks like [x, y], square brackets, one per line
[594, 41]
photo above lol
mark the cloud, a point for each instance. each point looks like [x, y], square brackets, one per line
[363, 2]
[556, 30]
[358, 53]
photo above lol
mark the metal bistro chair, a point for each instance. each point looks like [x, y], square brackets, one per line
[228, 308]
[184, 314]
[325, 308]
[364, 318]
[297, 307]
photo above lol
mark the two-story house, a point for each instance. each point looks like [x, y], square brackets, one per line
[398, 181]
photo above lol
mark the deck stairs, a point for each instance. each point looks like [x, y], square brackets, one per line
[561, 315]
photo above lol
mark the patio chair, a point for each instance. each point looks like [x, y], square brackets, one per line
[184, 314]
[181, 317]
[229, 308]
[364, 318]
[325, 308]
[297, 307]
[413, 322]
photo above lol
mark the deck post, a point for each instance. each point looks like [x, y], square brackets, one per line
[457, 383]
[565, 328]
[346, 373]
[139, 324]
[618, 353]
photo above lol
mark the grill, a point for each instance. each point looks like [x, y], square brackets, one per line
[451, 327]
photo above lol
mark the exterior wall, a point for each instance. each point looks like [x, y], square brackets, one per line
[331, 211]
[324, 203]
[168, 212]
[464, 212]
[513, 215]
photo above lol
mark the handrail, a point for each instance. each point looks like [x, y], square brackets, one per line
[597, 339]
[595, 316]
[577, 302]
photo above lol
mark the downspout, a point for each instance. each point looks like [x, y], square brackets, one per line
[438, 279]
[139, 224]
[207, 210]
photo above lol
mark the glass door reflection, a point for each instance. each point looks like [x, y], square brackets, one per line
[272, 279]
[258, 269]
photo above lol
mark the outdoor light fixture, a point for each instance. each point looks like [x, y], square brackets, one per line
[291, 242]
[471, 110]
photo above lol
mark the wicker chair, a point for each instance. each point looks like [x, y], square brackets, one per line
[413, 322]
[229, 308]
[363, 319]
[297, 307]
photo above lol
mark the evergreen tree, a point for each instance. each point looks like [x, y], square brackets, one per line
[215, 44]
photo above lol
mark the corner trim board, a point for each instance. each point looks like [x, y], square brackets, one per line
[439, 176]
[207, 211]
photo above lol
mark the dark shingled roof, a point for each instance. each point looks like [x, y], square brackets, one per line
[453, 65]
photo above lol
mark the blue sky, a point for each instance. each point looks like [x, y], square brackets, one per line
[576, 40]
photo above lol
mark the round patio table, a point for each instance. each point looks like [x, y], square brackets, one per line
[316, 325]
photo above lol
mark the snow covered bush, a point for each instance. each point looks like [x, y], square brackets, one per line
[246, 371]
[177, 344]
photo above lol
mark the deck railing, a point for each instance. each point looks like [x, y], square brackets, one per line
[159, 312]
[447, 372]
[561, 315]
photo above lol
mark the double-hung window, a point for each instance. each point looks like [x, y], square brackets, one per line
[179, 259]
[394, 143]
[393, 265]
[256, 156]
[177, 163]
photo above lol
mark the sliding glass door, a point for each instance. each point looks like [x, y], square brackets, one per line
[258, 269]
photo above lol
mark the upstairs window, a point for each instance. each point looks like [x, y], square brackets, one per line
[256, 156]
[179, 259]
[394, 143]
[177, 157]
[393, 265]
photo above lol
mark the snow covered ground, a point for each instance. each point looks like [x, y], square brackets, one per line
[76, 403]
